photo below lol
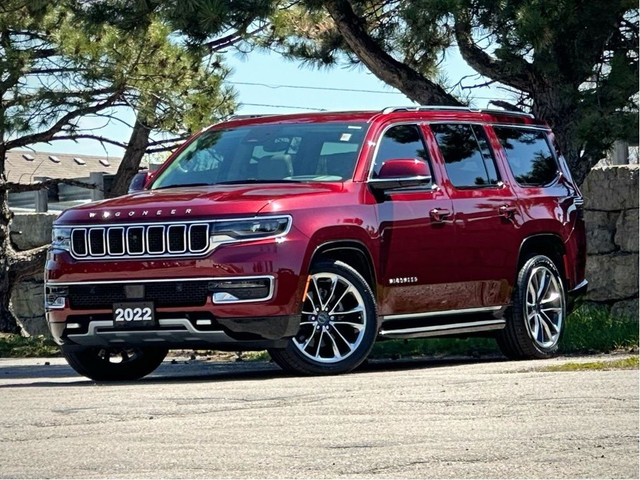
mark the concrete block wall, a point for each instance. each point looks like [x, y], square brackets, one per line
[611, 214]
[31, 230]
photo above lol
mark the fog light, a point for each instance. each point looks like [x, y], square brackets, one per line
[241, 289]
[55, 297]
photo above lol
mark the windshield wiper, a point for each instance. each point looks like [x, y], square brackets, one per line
[254, 180]
[182, 185]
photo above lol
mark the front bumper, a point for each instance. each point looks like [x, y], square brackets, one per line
[181, 332]
[193, 305]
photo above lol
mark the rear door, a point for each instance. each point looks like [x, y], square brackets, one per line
[486, 214]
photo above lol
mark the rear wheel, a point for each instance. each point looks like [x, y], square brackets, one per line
[338, 326]
[535, 322]
[112, 364]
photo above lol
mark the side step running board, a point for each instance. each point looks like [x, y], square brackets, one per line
[440, 330]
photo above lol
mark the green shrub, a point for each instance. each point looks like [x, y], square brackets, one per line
[12, 345]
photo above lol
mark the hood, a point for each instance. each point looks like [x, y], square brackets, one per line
[191, 203]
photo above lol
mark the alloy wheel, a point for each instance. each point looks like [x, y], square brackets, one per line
[333, 319]
[544, 309]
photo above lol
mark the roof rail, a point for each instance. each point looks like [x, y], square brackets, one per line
[248, 115]
[424, 108]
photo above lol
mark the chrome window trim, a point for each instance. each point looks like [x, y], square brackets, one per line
[402, 179]
[418, 124]
[550, 146]
[523, 127]
[500, 182]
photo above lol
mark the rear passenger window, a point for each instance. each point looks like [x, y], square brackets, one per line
[400, 141]
[467, 156]
[529, 155]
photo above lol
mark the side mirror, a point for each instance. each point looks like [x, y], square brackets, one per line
[401, 173]
[139, 181]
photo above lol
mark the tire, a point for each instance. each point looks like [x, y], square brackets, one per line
[338, 327]
[113, 364]
[535, 322]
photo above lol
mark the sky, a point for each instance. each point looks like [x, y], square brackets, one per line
[267, 83]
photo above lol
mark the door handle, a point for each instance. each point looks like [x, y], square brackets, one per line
[507, 211]
[439, 214]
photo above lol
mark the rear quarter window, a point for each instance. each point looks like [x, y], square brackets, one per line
[529, 155]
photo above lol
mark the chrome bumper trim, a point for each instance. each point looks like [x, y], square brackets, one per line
[101, 332]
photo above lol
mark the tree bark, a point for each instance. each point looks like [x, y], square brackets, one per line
[381, 64]
[136, 148]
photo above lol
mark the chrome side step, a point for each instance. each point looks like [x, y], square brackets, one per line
[440, 330]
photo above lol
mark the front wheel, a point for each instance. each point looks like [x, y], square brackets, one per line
[535, 322]
[113, 364]
[338, 327]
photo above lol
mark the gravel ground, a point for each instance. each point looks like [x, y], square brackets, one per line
[464, 418]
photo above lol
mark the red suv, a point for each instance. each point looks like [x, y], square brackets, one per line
[313, 235]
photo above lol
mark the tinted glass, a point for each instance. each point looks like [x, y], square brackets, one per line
[319, 152]
[528, 155]
[401, 141]
[467, 156]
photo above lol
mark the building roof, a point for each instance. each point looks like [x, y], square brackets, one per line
[24, 166]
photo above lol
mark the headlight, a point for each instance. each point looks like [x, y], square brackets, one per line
[61, 238]
[249, 229]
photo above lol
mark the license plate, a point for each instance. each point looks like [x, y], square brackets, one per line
[133, 314]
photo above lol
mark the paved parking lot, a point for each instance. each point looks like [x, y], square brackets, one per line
[417, 419]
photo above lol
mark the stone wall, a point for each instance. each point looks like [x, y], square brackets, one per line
[31, 230]
[611, 214]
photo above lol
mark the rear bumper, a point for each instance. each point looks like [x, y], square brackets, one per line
[575, 293]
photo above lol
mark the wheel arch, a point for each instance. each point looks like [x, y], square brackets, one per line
[352, 252]
[548, 244]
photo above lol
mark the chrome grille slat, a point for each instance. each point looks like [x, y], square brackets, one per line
[135, 240]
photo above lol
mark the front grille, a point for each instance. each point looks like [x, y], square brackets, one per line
[150, 240]
[173, 293]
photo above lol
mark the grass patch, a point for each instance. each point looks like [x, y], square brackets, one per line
[594, 329]
[12, 345]
[629, 363]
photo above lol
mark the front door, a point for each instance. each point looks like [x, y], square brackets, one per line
[416, 231]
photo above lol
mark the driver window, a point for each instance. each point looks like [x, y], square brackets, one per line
[400, 141]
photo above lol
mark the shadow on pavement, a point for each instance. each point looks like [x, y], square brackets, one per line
[199, 371]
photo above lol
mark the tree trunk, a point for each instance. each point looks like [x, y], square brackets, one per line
[14, 266]
[130, 164]
[7, 320]
[410, 82]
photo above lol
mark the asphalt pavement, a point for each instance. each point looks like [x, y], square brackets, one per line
[465, 418]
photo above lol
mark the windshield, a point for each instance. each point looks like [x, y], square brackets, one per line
[315, 152]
